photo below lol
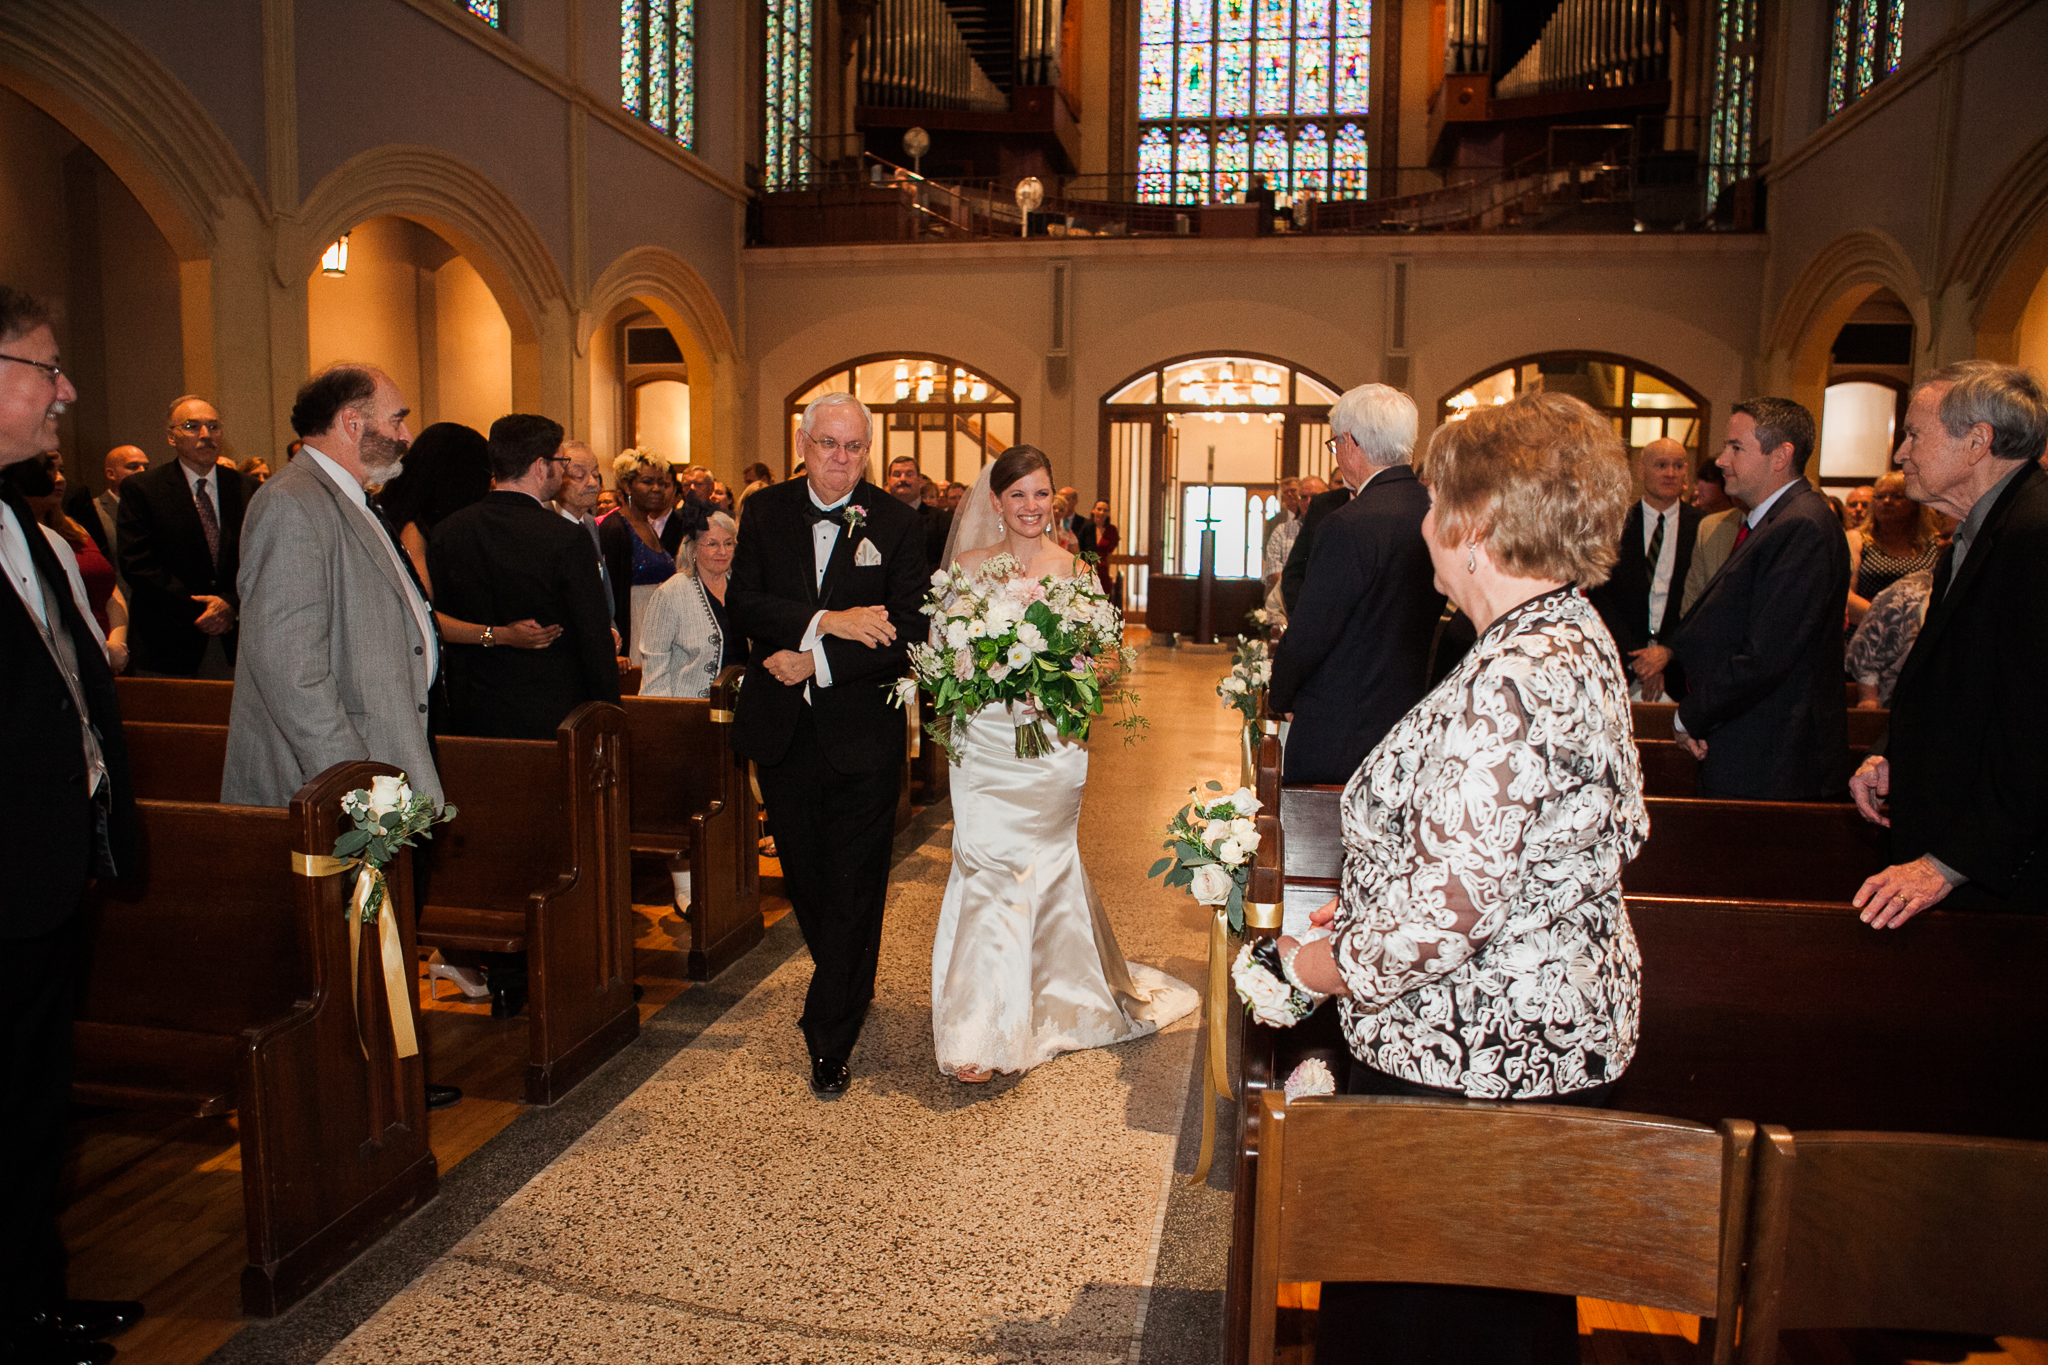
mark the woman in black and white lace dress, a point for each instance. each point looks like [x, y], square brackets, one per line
[1479, 946]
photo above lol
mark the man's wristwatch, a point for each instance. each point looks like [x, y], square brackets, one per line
[488, 641]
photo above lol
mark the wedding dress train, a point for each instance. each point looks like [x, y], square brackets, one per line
[1025, 964]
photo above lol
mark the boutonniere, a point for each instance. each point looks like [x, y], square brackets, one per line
[855, 515]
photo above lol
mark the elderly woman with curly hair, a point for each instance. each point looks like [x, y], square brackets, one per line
[1479, 948]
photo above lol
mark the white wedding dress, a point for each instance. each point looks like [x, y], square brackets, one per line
[1025, 964]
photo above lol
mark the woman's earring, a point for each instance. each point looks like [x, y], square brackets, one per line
[1471, 561]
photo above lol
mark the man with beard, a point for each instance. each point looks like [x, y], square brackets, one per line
[338, 646]
[179, 528]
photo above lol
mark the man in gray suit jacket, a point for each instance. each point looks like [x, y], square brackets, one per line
[338, 649]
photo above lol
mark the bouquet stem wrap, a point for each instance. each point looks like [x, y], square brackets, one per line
[370, 900]
[1216, 1067]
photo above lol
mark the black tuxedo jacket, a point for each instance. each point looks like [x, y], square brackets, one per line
[1355, 657]
[1623, 601]
[775, 592]
[1969, 740]
[165, 563]
[46, 821]
[1295, 571]
[938, 524]
[508, 558]
[1762, 658]
[615, 542]
[78, 505]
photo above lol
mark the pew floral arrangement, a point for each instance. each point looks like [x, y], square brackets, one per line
[1251, 668]
[1209, 846]
[387, 817]
[1259, 619]
[1053, 645]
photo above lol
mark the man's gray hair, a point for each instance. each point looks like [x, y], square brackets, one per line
[2005, 398]
[1381, 419]
[573, 448]
[836, 400]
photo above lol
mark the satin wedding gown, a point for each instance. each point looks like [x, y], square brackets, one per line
[1025, 965]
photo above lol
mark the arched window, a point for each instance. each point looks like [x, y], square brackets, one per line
[658, 64]
[951, 418]
[1866, 43]
[786, 153]
[1286, 80]
[1203, 441]
[1642, 401]
[486, 10]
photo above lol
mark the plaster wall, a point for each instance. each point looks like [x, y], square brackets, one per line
[2033, 330]
[638, 199]
[216, 51]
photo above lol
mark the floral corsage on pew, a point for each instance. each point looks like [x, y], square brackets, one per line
[387, 817]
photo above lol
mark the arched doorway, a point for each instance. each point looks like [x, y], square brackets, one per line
[410, 302]
[1870, 369]
[1644, 403]
[949, 416]
[1203, 438]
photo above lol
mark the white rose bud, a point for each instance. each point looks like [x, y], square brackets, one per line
[1212, 885]
[388, 794]
[1244, 802]
[1230, 851]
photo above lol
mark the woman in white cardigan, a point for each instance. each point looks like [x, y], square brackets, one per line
[686, 639]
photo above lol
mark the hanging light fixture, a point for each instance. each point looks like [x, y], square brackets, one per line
[334, 260]
[902, 381]
[979, 391]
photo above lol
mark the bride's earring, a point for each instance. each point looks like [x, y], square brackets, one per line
[1471, 561]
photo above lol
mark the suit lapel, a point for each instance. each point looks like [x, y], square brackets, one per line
[1798, 489]
[1941, 613]
[842, 548]
[355, 523]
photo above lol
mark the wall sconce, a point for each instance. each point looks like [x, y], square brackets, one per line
[334, 260]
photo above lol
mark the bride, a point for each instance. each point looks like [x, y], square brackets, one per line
[1025, 965]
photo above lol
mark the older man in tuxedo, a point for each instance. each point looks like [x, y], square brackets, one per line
[180, 529]
[1963, 761]
[1355, 657]
[1760, 693]
[67, 815]
[1641, 599]
[826, 587]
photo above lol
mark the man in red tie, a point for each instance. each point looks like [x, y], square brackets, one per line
[1761, 704]
[180, 532]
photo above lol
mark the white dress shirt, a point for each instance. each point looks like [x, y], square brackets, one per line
[824, 538]
[353, 494]
[1667, 558]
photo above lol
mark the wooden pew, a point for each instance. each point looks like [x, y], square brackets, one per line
[175, 701]
[219, 980]
[176, 762]
[1653, 721]
[1670, 771]
[693, 808]
[536, 862]
[1755, 850]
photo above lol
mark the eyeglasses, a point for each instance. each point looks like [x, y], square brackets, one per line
[195, 428]
[56, 372]
[832, 447]
[1331, 444]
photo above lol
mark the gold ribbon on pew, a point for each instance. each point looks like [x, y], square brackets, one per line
[390, 952]
[720, 716]
[1216, 1068]
[1262, 915]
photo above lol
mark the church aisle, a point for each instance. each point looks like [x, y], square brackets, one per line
[720, 1212]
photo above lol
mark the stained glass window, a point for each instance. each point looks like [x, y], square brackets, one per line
[658, 64]
[486, 10]
[1731, 124]
[1866, 44]
[1229, 87]
[787, 155]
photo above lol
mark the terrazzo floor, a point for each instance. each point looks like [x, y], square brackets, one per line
[719, 1212]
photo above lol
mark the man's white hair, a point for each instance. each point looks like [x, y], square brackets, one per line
[836, 400]
[1381, 419]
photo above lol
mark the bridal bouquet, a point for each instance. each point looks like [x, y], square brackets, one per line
[1209, 847]
[1251, 668]
[1052, 645]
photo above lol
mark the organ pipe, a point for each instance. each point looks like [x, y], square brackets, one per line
[1591, 44]
[1038, 41]
[912, 56]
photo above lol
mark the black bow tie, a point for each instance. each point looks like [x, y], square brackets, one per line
[813, 514]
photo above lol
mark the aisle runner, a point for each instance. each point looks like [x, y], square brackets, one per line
[721, 1213]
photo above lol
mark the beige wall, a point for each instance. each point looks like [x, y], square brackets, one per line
[2033, 330]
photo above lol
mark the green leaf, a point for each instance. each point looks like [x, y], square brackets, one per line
[351, 843]
[1162, 865]
[1213, 786]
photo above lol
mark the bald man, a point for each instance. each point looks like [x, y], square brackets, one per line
[98, 514]
[1642, 599]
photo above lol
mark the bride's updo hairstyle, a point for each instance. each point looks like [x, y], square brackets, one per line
[1542, 479]
[1014, 463]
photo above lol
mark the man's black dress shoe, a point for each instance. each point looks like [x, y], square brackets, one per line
[442, 1096]
[829, 1077]
[507, 1001]
[89, 1318]
[29, 1345]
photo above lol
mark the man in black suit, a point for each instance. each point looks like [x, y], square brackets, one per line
[826, 587]
[1355, 657]
[67, 815]
[1963, 761]
[511, 557]
[1079, 523]
[1760, 696]
[1295, 573]
[1641, 599]
[906, 485]
[180, 533]
[98, 514]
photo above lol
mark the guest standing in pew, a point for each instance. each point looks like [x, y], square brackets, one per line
[180, 531]
[826, 587]
[686, 638]
[1760, 699]
[576, 500]
[1479, 947]
[641, 538]
[1721, 521]
[1356, 653]
[100, 516]
[1640, 600]
[67, 816]
[1295, 570]
[1962, 763]
[907, 486]
[340, 652]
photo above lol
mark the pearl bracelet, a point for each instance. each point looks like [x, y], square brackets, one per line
[1287, 973]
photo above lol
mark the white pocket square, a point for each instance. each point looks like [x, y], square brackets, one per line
[865, 555]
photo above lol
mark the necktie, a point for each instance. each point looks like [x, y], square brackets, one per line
[208, 521]
[813, 514]
[1657, 544]
[1743, 533]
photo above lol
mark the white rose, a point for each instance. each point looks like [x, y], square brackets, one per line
[940, 578]
[1230, 851]
[956, 633]
[1031, 637]
[1244, 802]
[388, 794]
[1212, 885]
[1270, 998]
[1245, 832]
